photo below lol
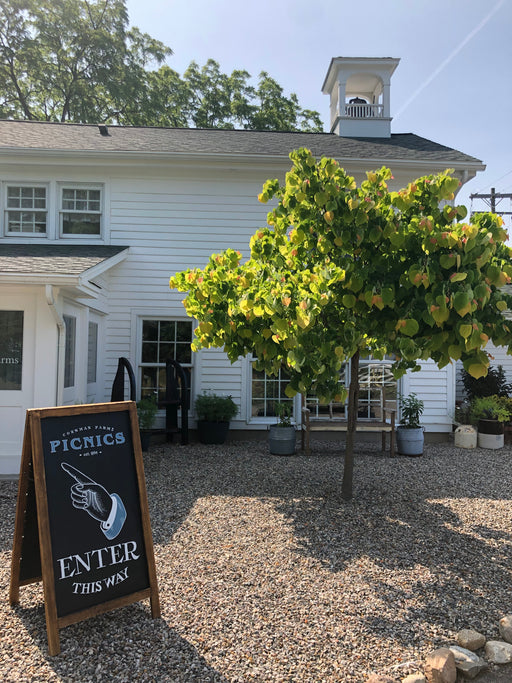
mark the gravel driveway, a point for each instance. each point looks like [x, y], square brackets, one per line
[265, 574]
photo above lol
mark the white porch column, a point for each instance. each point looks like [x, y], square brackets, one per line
[386, 99]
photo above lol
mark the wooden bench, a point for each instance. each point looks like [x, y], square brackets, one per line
[338, 425]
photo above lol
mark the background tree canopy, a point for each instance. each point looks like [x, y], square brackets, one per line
[79, 61]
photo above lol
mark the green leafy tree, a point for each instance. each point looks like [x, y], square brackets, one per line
[71, 60]
[78, 61]
[205, 97]
[342, 270]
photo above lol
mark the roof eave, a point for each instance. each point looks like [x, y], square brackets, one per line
[475, 165]
[71, 283]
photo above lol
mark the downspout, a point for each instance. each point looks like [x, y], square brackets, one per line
[61, 331]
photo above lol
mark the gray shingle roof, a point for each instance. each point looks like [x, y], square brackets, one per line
[53, 259]
[66, 137]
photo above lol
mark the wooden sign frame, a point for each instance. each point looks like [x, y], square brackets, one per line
[37, 534]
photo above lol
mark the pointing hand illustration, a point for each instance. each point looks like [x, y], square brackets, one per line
[88, 495]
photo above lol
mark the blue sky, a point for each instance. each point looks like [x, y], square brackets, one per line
[453, 84]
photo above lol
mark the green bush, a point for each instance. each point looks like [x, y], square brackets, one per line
[494, 384]
[506, 403]
[146, 411]
[488, 408]
[215, 408]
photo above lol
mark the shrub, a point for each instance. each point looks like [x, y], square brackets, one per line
[494, 384]
[146, 411]
[215, 408]
[488, 408]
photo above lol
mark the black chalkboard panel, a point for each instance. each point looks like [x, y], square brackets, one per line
[93, 545]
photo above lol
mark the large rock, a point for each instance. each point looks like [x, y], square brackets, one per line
[440, 666]
[470, 639]
[498, 652]
[467, 662]
[506, 628]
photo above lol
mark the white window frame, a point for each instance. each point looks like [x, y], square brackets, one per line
[7, 210]
[61, 210]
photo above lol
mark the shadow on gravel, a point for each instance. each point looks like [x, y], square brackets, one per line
[105, 648]
[416, 517]
[401, 525]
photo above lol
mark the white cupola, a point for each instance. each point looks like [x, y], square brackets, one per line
[359, 88]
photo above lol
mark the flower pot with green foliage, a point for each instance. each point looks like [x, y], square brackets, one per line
[281, 438]
[409, 433]
[146, 412]
[214, 414]
[490, 414]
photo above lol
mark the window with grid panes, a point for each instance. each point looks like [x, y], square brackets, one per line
[25, 212]
[377, 390]
[80, 211]
[163, 340]
[267, 392]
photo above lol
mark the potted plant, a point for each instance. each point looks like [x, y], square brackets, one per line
[409, 433]
[146, 412]
[506, 402]
[214, 413]
[490, 415]
[281, 439]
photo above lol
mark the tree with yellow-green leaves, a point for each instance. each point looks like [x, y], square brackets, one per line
[342, 270]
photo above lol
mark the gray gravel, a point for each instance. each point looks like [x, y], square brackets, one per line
[265, 574]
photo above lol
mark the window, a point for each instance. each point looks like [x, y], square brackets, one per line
[11, 350]
[267, 392]
[163, 340]
[92, 353]
[80, 212]
[377, 390]
[25, 211]
[69, 351]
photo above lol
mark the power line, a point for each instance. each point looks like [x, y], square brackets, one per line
[492, 200]
[500, 178]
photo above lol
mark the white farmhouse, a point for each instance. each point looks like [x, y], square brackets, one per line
[95, 219]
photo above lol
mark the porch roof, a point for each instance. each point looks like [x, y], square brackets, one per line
[54, 259]
[71, 267]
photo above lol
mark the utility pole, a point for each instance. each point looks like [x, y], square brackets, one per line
[490, 200]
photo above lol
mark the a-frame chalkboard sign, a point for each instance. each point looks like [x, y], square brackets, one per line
[82, 521]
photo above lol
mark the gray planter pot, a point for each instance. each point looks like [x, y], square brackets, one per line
[281, 440]
[409, 441]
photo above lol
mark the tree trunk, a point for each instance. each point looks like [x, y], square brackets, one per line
[353, 399]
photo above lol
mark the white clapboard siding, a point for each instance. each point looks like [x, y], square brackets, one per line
[170, 225]
[435, 388]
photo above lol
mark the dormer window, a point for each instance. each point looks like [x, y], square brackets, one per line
[26, 210]
[80, 212]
